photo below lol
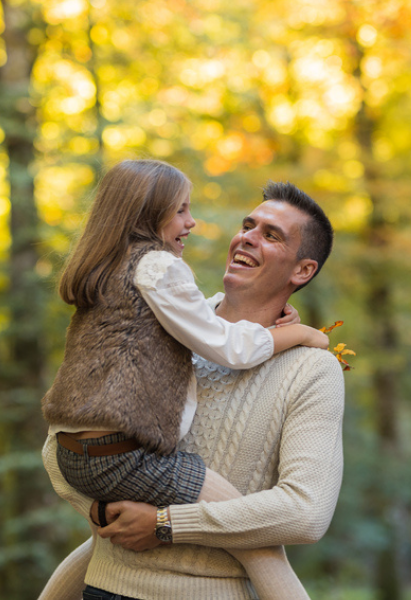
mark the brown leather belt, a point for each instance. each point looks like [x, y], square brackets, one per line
[106, 450]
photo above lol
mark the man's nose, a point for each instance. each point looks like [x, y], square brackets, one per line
[249, 237]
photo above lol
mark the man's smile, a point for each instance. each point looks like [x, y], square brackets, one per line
[245, 259]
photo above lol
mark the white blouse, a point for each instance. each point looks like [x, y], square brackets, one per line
[167, 285]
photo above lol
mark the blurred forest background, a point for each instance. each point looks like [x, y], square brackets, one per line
[317, 92]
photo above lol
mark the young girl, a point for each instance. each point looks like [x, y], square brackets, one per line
[125, 393]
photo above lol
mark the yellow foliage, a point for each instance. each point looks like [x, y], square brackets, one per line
[210, 231]
[82, 145]
[99, 33]
[4, 206]
[117, 137]
[216, 165]
[56, 11]
[282, 114]
[161, 148]
[236, 84]
[330, 180]
[353, 169]
[4, 316]
[57, 189]
[341, 349]
[3, 53]
[212, 190]
[114, 137]
[367, 35]
[157, 117]
[251, 123]
[231, 146]
[43, 267]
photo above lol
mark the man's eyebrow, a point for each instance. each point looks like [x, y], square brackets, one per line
[267, 226]
[277, 229]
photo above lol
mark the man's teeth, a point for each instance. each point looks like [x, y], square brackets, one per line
[240, 258]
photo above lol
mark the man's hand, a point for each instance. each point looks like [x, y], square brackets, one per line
[131, 524]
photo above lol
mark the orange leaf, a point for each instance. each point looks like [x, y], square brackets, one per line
[346, 351]
[328, 329]
[347, 366]
[339, 348]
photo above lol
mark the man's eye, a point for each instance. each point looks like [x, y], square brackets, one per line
[271, 236]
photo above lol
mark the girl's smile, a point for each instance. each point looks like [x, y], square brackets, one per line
[179, 227]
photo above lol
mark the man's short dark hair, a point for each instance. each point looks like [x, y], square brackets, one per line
[317, 235]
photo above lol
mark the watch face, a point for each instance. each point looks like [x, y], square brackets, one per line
[163, 533]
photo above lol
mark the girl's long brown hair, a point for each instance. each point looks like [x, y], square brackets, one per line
[134, 201]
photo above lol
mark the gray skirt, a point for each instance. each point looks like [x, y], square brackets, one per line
[138, 475]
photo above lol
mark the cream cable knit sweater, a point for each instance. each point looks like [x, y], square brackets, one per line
[274, 432]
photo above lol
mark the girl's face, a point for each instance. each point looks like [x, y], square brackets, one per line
[179, 227]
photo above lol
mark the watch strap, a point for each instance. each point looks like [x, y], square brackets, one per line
[163, 521]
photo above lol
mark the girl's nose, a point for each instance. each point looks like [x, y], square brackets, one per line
[190, 223]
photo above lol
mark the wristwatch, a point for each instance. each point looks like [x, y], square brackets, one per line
[163, 527]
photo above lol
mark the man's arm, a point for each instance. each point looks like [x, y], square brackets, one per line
[298, 510]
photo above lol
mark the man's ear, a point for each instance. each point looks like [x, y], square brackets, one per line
[304, 271]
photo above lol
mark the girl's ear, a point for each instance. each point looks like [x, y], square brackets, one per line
[304, 271]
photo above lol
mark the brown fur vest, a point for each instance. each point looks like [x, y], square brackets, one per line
[121, 369]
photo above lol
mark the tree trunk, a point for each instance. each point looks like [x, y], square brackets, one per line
[21, 380]
[384, 376]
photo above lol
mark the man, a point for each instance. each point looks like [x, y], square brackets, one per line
[273, 431]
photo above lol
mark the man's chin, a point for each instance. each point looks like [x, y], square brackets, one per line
[239, 270]
[233, 278]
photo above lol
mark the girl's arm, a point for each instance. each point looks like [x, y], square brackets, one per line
[167, 285]
[298, 335]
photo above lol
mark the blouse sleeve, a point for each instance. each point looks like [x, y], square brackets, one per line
[167, 285]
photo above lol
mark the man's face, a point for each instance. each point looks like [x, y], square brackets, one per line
[263, 255]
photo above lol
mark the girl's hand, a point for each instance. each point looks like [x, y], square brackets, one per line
[291, 316]
[315, 338]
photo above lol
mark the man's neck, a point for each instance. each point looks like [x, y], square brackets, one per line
[235, 307]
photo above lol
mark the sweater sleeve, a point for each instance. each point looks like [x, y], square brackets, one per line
[80, 503]
[299, 509]
[167, 285]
